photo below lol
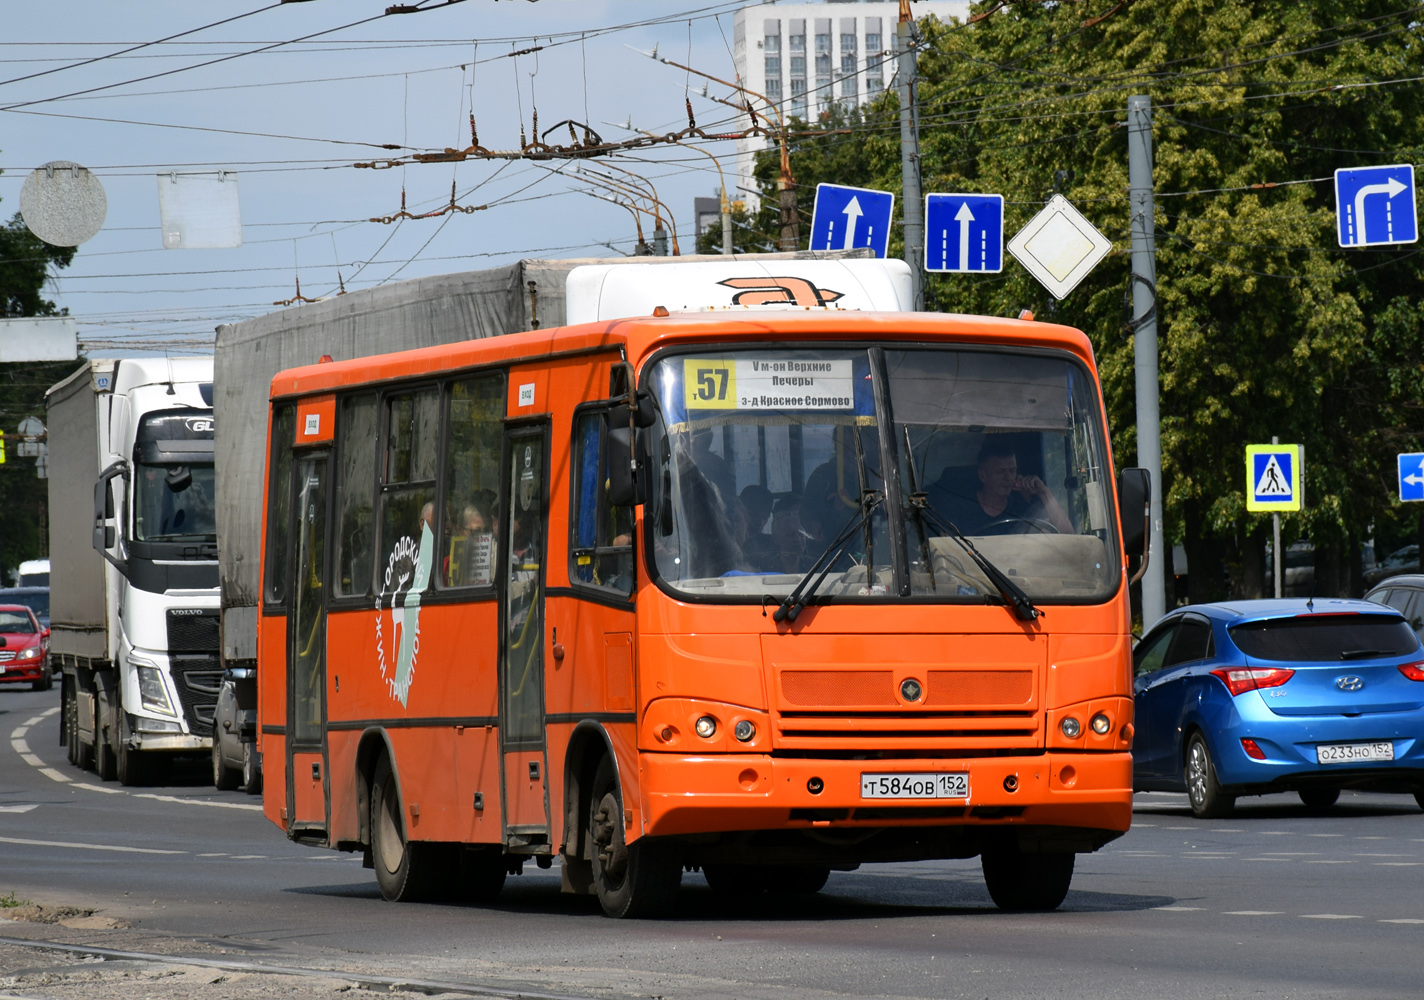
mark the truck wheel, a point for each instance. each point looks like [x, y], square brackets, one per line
[1026, 882]
[132, 764]
[225, 779]
[405, 870]
[44, 683]
[83, 752]
[71, 723]
[106, 764]
[640, 879]
[251, 769]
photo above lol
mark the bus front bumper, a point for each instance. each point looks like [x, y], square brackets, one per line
[687, 795]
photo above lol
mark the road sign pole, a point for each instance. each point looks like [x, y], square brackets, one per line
[1277, 561]
[1144, 309]
[910, 200]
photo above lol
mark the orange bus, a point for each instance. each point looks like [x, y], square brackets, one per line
[765, 594]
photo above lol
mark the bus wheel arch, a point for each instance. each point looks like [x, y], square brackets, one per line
[374, 744]
[589, 745]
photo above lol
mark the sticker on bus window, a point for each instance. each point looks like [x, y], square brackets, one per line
[767, 383]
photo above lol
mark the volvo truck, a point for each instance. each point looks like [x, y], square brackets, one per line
[134, 562]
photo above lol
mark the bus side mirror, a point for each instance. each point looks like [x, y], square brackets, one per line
[1134, 500]
[625, 453]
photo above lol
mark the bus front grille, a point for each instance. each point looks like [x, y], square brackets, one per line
[908, 729]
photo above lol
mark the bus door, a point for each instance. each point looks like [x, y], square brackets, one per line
[525, 794]
[307, 786]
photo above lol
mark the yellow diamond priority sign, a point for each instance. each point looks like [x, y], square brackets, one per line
[1274, 477]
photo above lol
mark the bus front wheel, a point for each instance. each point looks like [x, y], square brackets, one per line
[640, 879]
[404, 869]
[1032, 882]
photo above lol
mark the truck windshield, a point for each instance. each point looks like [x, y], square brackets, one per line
[173, 503]
[765, 457]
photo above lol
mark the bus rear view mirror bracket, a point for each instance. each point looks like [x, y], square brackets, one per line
[1134, 502]
[105, 519]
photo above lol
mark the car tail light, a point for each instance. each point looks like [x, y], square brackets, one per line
[1250, 679]
[1253, 750]
[1414, 671]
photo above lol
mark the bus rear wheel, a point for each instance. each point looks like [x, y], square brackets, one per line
[405, 870]
[1026, 882]
[640, 879]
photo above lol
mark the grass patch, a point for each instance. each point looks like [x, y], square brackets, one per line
[10, 901]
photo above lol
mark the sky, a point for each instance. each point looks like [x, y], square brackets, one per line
[290, 123]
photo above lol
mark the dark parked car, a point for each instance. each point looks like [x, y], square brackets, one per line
[236, 760]
[1406, 595]
[34, 598]
[24, 648]
[1402, 560]
[1254, 697]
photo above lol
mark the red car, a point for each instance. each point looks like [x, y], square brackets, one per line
[24, 648]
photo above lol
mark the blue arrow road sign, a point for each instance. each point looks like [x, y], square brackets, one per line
[964, 232]
[1411, 476]
[1375, 206]
[845, 218]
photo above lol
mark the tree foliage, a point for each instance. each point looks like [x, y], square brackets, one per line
[25, 262]
[1266, 326]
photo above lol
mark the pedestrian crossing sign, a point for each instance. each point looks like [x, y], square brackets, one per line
[1274, 475]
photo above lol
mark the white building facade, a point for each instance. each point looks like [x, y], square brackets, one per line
[805, 57]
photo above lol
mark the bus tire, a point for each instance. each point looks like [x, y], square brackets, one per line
[133, 766]
[403, 868]
[1026, 882]
[480, 874]
[1204, 792]
[797, 879]
[225, 779]
[640, 879]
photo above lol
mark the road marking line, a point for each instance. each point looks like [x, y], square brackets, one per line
[1268, 859]
[1331, 916]
[1252, 913]
[19, 732]
[88, 847]
[195, 802]
[19, 809]
[1329, 861]
[1143, 824]
[1325, 835]
[248, 857]
[1384, 855]
[1293, 854]
[1403, 920]
[41, 717]
[1183, 828]
[1397, 864]
[21, 747]
[218, 854]
[1178, 909]
[50, 772]
[96, 788]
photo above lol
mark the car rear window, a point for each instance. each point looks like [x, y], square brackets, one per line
[1326, 637]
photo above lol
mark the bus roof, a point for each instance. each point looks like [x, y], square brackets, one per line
[641, 335]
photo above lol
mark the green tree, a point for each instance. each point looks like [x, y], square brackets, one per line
[25, 262]
[1265, 325]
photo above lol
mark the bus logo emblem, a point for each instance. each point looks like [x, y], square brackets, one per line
[407, 575]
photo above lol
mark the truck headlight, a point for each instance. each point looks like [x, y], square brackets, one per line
[151, 691]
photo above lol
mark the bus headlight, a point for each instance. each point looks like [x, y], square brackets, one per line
[744, 730]
[151, 691]
[1071, 727]
[706, 727]
[1101, 724]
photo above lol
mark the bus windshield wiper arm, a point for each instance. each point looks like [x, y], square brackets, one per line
[805, 588]
[1011, 593]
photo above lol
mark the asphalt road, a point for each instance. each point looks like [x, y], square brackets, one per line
[1274, 902]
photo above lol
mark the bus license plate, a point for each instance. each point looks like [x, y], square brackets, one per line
[953, 785]
[1347, 753]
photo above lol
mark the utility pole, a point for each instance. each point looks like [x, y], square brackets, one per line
[1277, 560]
[726, 221]
[911, 203]
[1144, 310]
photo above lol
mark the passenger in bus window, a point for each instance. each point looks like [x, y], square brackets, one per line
[477, 564]
[784, 550]
[1000, 498]
[712, 465]
[757, 501]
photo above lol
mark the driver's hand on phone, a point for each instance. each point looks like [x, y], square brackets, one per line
[1031, 486]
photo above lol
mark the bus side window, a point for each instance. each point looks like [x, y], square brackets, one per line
[469, 544]
[279, 505]
[355, 482]
[601, 549]
[407, 500]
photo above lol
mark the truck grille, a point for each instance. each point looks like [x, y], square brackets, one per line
[193, 630]
[197, 679]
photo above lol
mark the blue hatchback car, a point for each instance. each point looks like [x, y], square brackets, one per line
[1254, 697]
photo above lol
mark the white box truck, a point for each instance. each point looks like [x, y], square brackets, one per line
[134, 562]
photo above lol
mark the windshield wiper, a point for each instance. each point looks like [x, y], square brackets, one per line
[1009, 591]
[1361, 654]
[805, 589]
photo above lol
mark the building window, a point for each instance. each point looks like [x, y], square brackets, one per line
[798, 89]
[798, 105]
[848, 85]
[773, 67]
[872, 43]
[773, 88]
[874, 85]
[772, 45]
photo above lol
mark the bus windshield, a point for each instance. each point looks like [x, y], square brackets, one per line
[876, 459]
